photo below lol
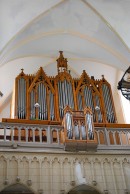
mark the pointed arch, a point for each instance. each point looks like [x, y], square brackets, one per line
[41, 92]
[17, 188]
[86, 93]
[65, 89]
[84, 189]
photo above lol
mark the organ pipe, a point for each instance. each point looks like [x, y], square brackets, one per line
[21, 98]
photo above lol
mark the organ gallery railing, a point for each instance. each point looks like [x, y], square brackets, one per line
[111, 136]
[40, 97]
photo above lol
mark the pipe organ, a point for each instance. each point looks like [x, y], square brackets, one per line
[40, 97]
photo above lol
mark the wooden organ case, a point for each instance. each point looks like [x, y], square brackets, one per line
[40, 97]
[46, 100]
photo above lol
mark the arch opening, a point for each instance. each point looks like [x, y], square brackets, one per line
[16, 189]
[83, 189]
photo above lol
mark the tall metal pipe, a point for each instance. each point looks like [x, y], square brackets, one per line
[18, 101]
[51, 107]
[69, 125]
[71, 96]
[59, 98]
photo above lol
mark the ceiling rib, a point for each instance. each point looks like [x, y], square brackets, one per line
[29, 24]
[116, 54]
[106, 23]
[94, 60]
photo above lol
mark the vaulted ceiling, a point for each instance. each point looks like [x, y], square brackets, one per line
[94, 35]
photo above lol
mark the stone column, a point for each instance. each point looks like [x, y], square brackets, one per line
[113, 177]
[61, 175]
[40, 174]
[103, 176]
[123, 177]
[51, 177]
[92, 170]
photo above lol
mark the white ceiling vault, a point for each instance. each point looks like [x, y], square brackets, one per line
[94, 35]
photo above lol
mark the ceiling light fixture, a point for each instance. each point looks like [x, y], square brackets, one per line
[124, 84]
[1, 94]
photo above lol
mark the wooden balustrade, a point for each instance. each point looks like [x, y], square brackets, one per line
[34, 135]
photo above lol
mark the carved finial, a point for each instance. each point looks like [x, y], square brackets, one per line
[61, 54]
[22, 70]
[102, 76]
[61, 63]
[92, 77]
[22, 73]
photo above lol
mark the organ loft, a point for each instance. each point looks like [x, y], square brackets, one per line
[75, 105]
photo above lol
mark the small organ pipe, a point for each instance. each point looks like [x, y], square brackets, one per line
[31, 112]
[107, 101]
[21, 109]
[79, 101]
[44, 102]
[98, 111]
[23, 105]
[51, 107]
[61, 104]
[59, 97]
[69, 95]
[83, 131]
[38, 100]
[22, 94]
[50, 98]
[76, 130]
[108, 104]
[41, 101]
[69, 125]
[63, 94]
[104, 95]
[18, 101]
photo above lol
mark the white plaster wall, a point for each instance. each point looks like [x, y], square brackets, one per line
[64, 171]
[5, 112]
